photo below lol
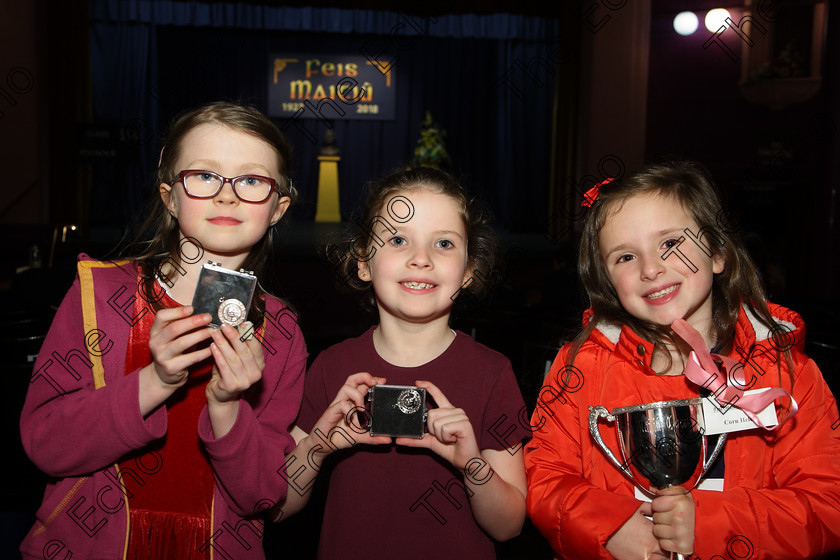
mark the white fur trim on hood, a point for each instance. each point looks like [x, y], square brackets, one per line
[762, 332]
[612, 331]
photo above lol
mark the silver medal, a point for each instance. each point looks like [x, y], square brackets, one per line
[408, 401]
[232, 312]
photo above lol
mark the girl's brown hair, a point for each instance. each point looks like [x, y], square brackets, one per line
[739, 283]
[346, 253]
[164, 245]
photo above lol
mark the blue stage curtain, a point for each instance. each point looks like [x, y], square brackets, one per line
[484, 78]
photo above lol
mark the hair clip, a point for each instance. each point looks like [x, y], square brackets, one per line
[591, 195]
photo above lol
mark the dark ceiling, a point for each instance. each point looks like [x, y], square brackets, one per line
[543, 9]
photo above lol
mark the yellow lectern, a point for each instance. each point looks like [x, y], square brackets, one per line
[328, 209]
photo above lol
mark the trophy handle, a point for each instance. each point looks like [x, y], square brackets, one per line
[718, 448]
[596, 412]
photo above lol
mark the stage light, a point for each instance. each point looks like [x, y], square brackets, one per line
[716, 19]
[685, 23]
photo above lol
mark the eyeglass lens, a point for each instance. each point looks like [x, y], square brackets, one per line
[250, 188]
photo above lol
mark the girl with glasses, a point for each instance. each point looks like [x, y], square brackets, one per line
[163, 434]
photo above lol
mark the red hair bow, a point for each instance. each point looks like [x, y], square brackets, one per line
[592, 194]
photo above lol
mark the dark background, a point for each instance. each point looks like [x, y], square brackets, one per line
[627, 89]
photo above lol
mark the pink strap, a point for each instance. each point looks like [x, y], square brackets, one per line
[702, 369]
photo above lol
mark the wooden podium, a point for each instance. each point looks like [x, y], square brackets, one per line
[328, 209]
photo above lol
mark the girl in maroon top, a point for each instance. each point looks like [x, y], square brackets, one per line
[426, 242]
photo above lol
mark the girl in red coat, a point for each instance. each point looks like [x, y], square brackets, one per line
[654, 251]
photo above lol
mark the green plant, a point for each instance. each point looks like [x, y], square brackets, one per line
[431, 146]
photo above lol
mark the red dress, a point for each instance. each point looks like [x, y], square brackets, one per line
[170, 510]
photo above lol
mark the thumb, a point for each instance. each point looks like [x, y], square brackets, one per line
[425, 441]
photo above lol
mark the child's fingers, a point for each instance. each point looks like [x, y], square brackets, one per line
[333, 415]
[364, 378]
[170, 314]
[437, 394]
[672, 491]
[256, 351]
[238, 365]
[350, 394]
[168, 339]
[635, 539]
[171, 337]
[183, 342]
[678, 545]
[450, 435]
[225, 386]
[359, 433]
[342, 414]
[245, 333]
[181, 362]
[332, 426]
[448, 425]
[645, 509]
[673, 520]
[427, 441]
[177, 321]
[669, 498]
[247, 351]
[664, 533]
[227, 378]
[356, 387]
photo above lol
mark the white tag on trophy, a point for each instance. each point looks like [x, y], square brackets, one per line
[728, 418]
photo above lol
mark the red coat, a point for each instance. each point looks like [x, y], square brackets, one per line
[781, 488]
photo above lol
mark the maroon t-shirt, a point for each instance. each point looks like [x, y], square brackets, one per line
[391, 501]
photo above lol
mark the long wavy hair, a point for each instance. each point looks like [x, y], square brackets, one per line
[738, 284]
[345, 253]
[157, 246]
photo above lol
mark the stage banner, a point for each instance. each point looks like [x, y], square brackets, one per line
[330, 87]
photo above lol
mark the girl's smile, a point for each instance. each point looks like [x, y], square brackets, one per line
[661, 296]
[423, 265]
[652, 282]
[418, 286]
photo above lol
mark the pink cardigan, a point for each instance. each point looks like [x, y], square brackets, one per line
[82, 415]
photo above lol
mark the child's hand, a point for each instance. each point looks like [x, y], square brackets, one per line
[238, 364]
[673, 520]
[173, 333]
[338, 428]
[635, 539]
[450, 432]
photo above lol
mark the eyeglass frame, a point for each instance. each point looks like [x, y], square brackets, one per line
[232, 180]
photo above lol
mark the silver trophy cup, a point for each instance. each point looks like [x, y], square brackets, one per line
[662, 444]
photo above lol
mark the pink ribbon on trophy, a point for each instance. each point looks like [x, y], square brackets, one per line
[702, 369]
